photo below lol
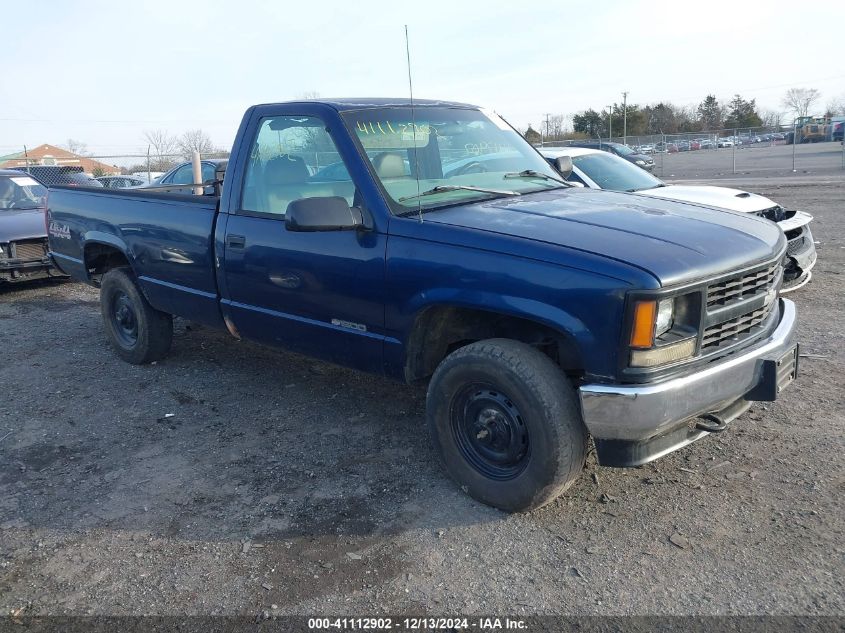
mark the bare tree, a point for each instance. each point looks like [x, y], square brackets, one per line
[557, 126]
[309, 95]
[163, 146]
[772, 118]
[76, 147]
[800, 100]
[836, 106]
[195, 141]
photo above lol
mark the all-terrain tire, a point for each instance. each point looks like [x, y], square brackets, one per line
[505, 421]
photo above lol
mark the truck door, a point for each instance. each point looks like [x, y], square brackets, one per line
[320, 293]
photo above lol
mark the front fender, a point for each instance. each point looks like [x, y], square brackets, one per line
[510, 305]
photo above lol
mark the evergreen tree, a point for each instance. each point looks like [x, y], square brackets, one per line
[710, 113]
[590, 123]
[532, 135]
[742, 113]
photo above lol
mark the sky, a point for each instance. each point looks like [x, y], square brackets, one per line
[103, 72]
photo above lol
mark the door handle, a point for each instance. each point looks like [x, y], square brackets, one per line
[235, 241]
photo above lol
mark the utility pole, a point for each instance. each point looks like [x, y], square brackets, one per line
[610, 123]
[548, 114]
[625, 118]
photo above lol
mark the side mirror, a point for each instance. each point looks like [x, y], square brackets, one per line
[564, 165]
[330, 213]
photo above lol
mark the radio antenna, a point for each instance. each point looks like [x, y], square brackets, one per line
[413, 124]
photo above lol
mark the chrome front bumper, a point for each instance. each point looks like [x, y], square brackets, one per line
[640, 413]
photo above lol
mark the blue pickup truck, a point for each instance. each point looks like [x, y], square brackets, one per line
[371, 233]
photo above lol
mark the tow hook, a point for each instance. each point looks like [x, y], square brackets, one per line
[711, 423]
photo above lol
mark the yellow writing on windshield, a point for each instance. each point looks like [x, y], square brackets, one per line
[393, 133]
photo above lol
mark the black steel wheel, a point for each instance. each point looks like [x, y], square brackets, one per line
[123, 318]
[490, 431]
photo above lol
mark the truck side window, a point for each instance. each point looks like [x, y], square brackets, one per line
[293, 157]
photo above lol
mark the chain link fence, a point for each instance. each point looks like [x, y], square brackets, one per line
[735, 151]
[112, 169]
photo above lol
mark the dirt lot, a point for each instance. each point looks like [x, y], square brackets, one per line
[230, 478]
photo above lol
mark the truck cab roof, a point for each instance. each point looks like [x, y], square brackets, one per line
[379, 102]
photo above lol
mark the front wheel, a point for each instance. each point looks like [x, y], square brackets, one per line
[505, 422]
[138, 332]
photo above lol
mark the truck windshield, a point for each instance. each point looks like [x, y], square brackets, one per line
[614, 173]
[451, 154]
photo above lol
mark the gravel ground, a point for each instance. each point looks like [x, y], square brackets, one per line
[760, 161]
[230, 478]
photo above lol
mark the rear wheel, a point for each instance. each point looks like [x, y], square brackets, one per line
[504, 420]
[138, 332]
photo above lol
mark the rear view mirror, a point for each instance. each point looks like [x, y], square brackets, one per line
[564, 165]
[330, 213]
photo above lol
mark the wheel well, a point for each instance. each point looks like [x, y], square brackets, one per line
[438, 331]
[101, 258]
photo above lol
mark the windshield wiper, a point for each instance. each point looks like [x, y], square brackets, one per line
[531, 173]
[446, 188]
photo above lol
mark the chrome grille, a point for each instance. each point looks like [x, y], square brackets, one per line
[734, 329]
[31, 249]
[742, 287]
[725, 298]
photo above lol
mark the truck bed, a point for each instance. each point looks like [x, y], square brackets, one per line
[167, 237]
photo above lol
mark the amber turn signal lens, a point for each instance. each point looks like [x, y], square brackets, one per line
[642, 334]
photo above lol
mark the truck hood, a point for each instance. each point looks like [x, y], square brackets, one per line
[673, 241]
[724, 197]
[21, 225]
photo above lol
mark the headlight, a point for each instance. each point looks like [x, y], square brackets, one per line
[664, 331]
[665, 316]
[640, 162]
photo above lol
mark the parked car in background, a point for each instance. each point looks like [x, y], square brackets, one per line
[683, 146]
[147, 177]
[646, 149]
[705, 143]
[120, 182]
[640, 160]
[23, 235]
[181, 178]
[666, 148]
[726, 141]
[598, 170]
[537, 312]
[49, 175]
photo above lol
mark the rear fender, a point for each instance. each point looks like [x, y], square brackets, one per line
[92, 238]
